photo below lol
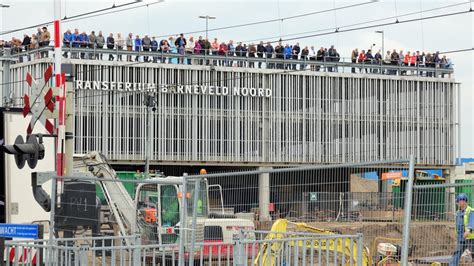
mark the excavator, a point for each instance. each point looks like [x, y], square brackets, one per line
[269, 251]
[154, 213]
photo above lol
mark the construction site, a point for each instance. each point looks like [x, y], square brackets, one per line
[154, 163]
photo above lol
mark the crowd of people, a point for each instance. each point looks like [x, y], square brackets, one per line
[149, 49]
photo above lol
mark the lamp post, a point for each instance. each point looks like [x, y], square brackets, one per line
[207, 17]
[383, 41]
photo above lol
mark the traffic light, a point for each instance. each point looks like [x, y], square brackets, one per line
[30, 151]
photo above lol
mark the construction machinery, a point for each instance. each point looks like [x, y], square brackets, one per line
[269, 250]
[156, 212]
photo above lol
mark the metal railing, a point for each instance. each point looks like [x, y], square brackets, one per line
[269, 248]
[327, 64]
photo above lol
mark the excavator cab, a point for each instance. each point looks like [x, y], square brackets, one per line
[159, 205]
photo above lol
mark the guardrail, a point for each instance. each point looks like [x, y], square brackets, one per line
[268, 248]
[328, 64]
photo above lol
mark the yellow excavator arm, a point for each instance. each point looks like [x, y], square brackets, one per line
[269, 252]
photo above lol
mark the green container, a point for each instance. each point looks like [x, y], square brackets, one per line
[129, 186]
[466, 189]
[397, 197]
[428, 204]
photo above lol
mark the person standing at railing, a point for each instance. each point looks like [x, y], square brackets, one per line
[260, 53]
[464, 231]
[154, 49]
[304, 57]
[129, 44]
[34, 44]
[287, 52]
[354, 56]
[420, 62]
[92, 41]
[406, 62]
[99, 44]
[394, 57]
[164, 48]
[279, 55]
[206, 48]
[269, 54]
[181, 46]
[214, 50]
[138, 46]
[362, 60]
[45, 39]
[429, 63]
[369, 61]
[26, 44]
[413, 63]
[173, 50]
[146, 44]
[387, 61]
[120, 43]
[111, 46]
[230, 52]
[75, 43]
[67, 39]
[252, 53]
[377, 60]
[244, 52]
[331, 57]
[222, 52]
[295, 54]
[198, 50]
[83, 42]
[189, 49]
[38, 40]
[312, 58]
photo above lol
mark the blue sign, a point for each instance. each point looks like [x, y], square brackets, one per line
[19, 231]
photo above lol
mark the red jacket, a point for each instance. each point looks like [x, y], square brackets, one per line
[222, 49]
[407, 59]
[362, 57]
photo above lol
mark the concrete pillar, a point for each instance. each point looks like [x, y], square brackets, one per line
[264, 194]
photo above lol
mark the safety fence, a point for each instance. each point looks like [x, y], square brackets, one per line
[268, 248]
[432, 236]
[326, 64]
[331, 214]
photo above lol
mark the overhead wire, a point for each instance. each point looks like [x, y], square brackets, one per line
[362, 23]
[272, 20]
[339, 30]
[89, 14]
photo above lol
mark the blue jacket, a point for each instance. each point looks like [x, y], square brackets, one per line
[138, 44]
[68, 38]
[154, 45]
[75, 40]
[83, 38]
[287, 52]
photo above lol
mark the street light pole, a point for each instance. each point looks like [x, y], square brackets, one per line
[383, 41]
[207, 17]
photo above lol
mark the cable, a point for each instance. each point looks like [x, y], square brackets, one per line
[76, 17]
[273, 20]
[458, 51]
[338, 30]
[361, 23]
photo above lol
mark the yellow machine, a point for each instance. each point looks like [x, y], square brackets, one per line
[345, 247]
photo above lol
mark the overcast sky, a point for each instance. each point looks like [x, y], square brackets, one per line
[174, 16]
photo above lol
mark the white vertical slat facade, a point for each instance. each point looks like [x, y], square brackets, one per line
[311, 117]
